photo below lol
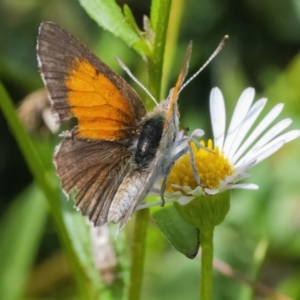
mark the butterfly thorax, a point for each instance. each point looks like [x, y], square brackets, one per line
[167, 143]
[149, 140]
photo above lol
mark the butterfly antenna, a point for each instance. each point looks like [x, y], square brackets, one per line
[216, 52]
[126, 69]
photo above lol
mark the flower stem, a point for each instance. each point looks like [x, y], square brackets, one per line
[155, 71]
[206, 240]
[138, 254]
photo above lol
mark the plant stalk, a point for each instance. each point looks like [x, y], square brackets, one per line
[157, 59]
[206, 238]
[138, 254]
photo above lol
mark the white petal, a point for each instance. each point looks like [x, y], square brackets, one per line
[267, 151]
[197, 133]
[273, 132]
[274, 146]
[267, 120]
[185, 200]
[185, 188]
[180, 135]
[172, 195]
[241, 177]
[245, 186]
[290, 136]
[231, 180]
[245, 166]
[228, 179]
[211, 192]
[251, 117]
[268, 136]
[218, 116]
[239, 114]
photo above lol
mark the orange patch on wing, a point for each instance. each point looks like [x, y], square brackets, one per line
[101, 110]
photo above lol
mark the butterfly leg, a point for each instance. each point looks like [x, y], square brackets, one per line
[184, 150]
[168, 171]
[192, 159]
[164, 184]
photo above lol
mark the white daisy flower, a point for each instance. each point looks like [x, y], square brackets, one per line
[233, 153]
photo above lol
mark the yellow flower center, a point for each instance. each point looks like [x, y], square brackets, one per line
[212, 167]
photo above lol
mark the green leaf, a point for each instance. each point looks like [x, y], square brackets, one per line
[109, 16]
[181, 235]
[21, 231]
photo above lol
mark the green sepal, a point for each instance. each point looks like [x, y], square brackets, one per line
[142, 44]
[131, 20]
[181, 235]
[205, 211]
[143, 49]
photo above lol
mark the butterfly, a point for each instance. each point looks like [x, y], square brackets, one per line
[117, 151]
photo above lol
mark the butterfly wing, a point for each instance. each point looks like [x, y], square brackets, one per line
[172, 106]
[81, 85]
[94, 169]
[94, 159]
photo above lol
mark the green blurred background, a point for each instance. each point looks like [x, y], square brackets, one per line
[260, 236]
